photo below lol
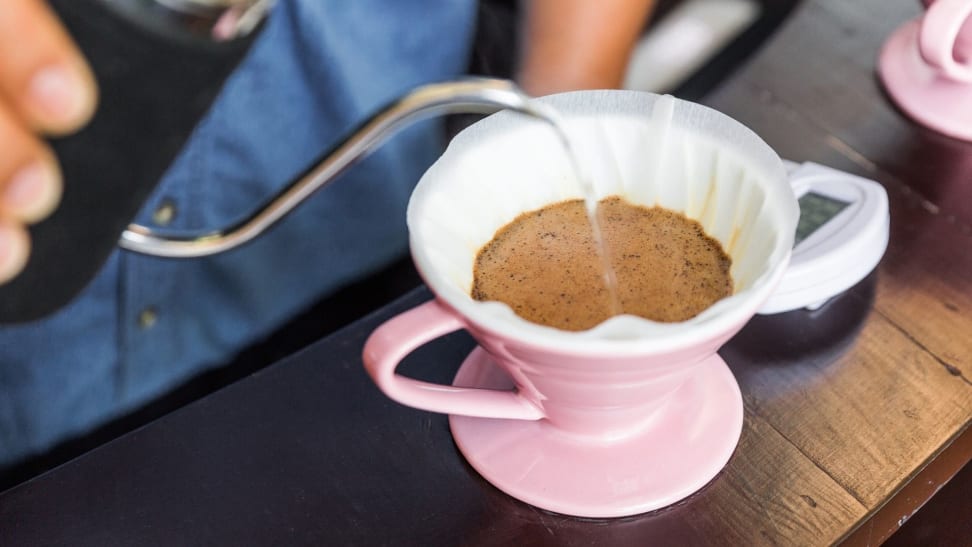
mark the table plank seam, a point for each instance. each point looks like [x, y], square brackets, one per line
[950, 368]
[767, 421]
[845, 149]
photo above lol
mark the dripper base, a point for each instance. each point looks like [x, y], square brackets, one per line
[690, 441]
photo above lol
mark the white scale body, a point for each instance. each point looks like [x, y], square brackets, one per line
[842, 235]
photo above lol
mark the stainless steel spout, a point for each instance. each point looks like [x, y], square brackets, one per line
[480, 95]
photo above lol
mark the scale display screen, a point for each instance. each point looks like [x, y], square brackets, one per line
[815, 211]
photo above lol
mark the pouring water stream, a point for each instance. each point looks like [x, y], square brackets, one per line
[585, 180]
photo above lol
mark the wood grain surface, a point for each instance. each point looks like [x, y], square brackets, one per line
[903, 390]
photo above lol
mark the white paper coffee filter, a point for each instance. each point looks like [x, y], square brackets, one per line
[649, 149]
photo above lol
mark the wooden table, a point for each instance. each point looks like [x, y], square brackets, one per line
[855, 413]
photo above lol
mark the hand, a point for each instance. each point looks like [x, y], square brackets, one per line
[579, 44]
[46, 88]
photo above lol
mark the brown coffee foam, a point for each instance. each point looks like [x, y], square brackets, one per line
[544, 265]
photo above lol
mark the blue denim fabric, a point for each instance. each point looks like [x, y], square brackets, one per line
[317, 70]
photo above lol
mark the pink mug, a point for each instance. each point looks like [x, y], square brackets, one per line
[926, 67]
[631, 415]
[945, 38]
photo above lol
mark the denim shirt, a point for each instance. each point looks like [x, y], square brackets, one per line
[146, 324]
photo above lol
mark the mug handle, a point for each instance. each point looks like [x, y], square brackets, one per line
[400, 335]
[939, 31]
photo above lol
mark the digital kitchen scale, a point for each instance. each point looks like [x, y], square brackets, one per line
[841, 236]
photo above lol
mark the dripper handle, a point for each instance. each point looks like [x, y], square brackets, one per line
[472, 95]
[400, 335]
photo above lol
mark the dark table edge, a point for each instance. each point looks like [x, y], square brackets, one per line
[884, 520]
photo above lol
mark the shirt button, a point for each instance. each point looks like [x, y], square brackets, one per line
[164, 213]
[147, 318]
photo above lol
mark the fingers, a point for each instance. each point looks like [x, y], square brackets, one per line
[30, 184]
[14, 248]
[30, 188]
[45, 87]
[42, 75]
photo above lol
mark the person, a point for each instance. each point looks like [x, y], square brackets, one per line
[318, 67]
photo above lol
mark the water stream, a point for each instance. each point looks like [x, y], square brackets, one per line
[586, 183]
